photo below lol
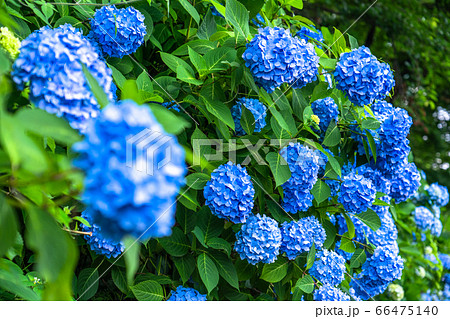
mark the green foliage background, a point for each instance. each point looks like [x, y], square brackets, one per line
[196, 58]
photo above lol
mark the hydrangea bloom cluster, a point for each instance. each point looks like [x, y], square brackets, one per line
[128, 191]
[423, 218]
[445, 260]
[256, 107]
[329, 293]
[438, 194]
[172, 105]
[378, 272]
[51, 61]
[304, 166]
[275, 57]
[97, 242]
[396, 292]
[307, 34]
[329, 268]
[229, 193]
[259, 240]
[9, 42]
[326, 109]
[119, 32]
[381, 183]
[357, 193]
[298, 237]
[405, 183]
[186, 294]
[362, 77]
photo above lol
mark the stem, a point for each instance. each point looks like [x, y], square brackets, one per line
[355, 241]
[77, 232]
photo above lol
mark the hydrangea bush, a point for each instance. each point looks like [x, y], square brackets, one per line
[207, 151]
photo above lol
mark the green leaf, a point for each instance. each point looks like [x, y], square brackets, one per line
[199, 46]
[48, 125]
[197, 60]
[174, 62]
[97, 90]
[372, 145]
[247, 121]
[370, 124]
[219, 243]
[358, 258]
[185, 75]
[311, 257]
[353, 42]
[56, 254]
[276, 271]
[237, 15]
[131, 254]
[13, 280]
[171, 123]
[350, 226]
[207, 28]
[8, 226]
[177, 244]
[185, 266]
[330, 231]
[346, 244]
[191, 10]
[119, 279]
[380, 202]
[219, 110]
[186, 219]
[148, 291]
[320, 91]
[226, 268]
[332, 136]
[280, 119]
[370, 218]
[200, 235]
[87, 283]
[130, 92]
[321, 191]
[328, 63]
[118, 77]
[306, 284]
[210, 225]
[208, 272]
[144, 83]
[279, 167]
[197, 180]
[215, 59]
[299, 103]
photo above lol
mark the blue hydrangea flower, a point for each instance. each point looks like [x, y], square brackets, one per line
[405, 183]
[186, 294]
[438, 194]
[259, 240]
[50, 60]
[445, 260]
[357, 193]
[436, 228]
[119, 32]
[423, 218]
[130, 191]
[310, 33]
[329, 268]
[304, 166]
[326, 109]
[172, 105]
[430, 296]
[256, 107]
[329, 293]
[298, 237]
[229, 193]
[379, 181]
[275, 57]
[97, 242]
[383, 267]
[362, 77]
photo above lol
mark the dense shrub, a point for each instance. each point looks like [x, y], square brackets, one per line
[246, 155]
